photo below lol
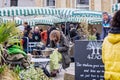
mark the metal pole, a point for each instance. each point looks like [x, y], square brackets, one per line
[65, 27]
[13, 18]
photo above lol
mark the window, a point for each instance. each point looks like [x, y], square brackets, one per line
[14, 3]
[82, 4]
[50, 2]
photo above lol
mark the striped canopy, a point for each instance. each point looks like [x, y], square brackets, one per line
[51, 20]
[56, 15]
[88, 20]
[31, 22]
[64, 12]
[76, 15]
[83, 13]
[27, 11]
[115, 7]
[43, 20]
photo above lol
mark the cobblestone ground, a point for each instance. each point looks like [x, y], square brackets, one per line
[70, 70]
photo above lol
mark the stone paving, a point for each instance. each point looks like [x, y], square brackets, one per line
[70, 70]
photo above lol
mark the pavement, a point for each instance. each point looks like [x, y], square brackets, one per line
[70, 70]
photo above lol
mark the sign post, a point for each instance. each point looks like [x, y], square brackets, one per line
[88, 60]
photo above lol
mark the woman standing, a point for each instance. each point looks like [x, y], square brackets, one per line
[111, 50]
[60, 43]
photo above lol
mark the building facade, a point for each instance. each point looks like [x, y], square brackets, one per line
[97, 5]
[19, 3]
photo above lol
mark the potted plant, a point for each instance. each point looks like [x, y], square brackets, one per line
[7, 30]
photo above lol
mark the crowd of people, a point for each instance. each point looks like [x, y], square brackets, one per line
[59, 39]
[50, 37]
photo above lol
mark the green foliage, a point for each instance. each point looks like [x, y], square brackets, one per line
[92, 37]
[17, 69]
[7, 74]
[2, 68]
[7, 30]
[33, 74]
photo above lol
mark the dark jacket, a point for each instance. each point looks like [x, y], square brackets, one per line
[63, 49]
[36, 37]
[98, 36]
[115, 30]
[105, 28]
[73, 33]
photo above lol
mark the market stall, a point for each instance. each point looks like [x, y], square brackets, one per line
[115, 7]
[27, 11]
[56, 15]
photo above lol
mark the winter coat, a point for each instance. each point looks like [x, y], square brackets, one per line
[14, 49]
[97, 36]
[24, 42]
[36, 37]
[111, 55]
[63, 49]
[44, 36]
[105, 28]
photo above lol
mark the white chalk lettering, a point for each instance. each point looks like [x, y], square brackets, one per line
[95, 66]
[87, 76]
[92, 71]
[82, 75]
[98, 71]
[93, 75]
[87, 65]
[86, 70]
[78, 64]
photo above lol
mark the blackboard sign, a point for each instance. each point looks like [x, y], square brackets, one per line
[88, 60]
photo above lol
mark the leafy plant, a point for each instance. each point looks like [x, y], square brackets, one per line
[7, 30]
[33, 74]
[17, 69]
[7, 74]
[92, 37]
[2, 68]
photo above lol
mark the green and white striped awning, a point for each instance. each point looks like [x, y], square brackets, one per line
[115, 7]
[83, 13]
[54, 15]
[31, 22]
[90, 17]
[65, 12]
[76, 15]
[81, 19]
[5, 20]
[27, 11]
[41, 21]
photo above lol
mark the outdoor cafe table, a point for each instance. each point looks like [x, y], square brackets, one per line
[41, 61]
